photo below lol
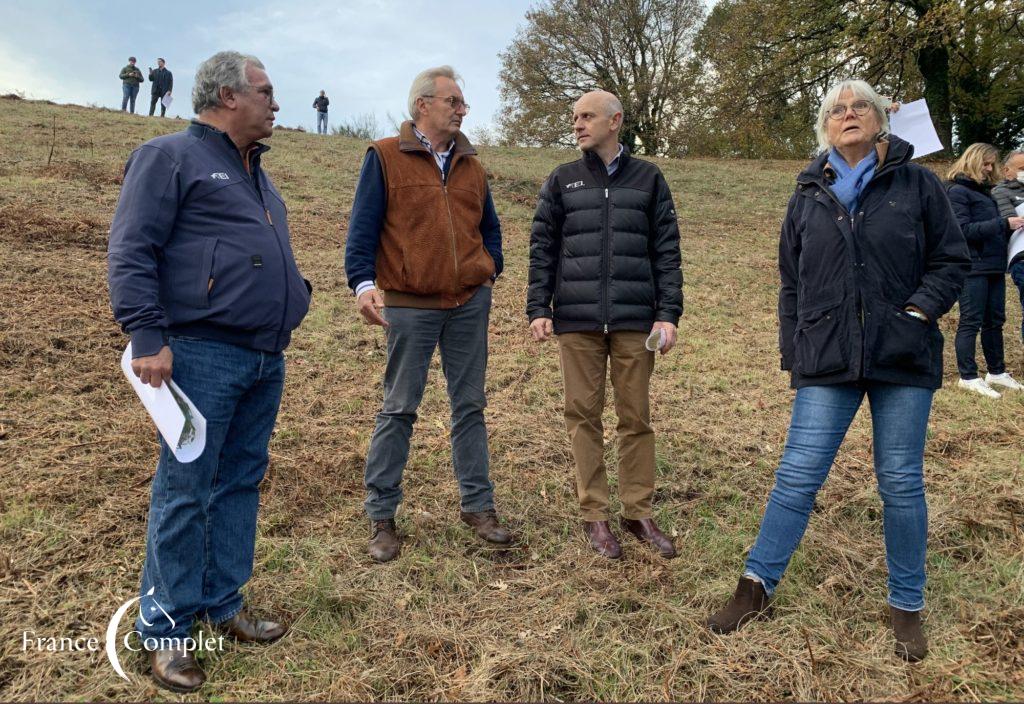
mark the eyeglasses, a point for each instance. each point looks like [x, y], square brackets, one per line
[454, 102]
[859, 107]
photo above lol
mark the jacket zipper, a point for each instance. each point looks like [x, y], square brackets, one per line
[451, 227]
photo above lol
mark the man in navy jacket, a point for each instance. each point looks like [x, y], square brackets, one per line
[202, 276]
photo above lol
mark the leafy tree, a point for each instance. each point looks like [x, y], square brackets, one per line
[636, 49]
[762, 63]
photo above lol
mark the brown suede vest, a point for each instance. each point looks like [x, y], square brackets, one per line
[431, 253]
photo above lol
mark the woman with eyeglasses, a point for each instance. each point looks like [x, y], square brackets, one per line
[870, 257]
[983, 299]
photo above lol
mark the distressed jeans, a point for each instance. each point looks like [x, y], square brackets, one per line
[202, 516]
[413, 334]
[821, 417]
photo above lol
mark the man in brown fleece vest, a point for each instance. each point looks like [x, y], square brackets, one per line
[424, 241]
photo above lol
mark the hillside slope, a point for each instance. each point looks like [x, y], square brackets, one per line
[451, 619]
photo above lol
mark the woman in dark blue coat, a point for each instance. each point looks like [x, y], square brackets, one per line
[870, 257]
[983, 299]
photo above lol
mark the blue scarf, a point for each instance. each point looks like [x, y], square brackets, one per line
[850, 181]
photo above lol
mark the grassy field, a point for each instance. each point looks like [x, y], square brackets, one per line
[452, 619]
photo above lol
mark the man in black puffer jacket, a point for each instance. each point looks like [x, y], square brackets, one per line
[604, 276]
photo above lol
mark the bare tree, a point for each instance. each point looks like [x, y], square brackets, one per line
[636, 49]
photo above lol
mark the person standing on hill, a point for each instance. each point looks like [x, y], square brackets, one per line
[202, 276]
[1009, 197]
[606, 278]
[163, 84]
[424, 240]
[870, 257]
[983, 300]
[320, 105]
[131, 77]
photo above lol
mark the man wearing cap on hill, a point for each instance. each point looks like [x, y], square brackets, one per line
[605, 278]
[425, 241]
[202, 276]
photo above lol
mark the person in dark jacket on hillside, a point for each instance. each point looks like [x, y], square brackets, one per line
[605, 278]
[163, 85]
[202, 276]
[1009, 197]
[983, 299]
[870, 258]
[320, 104]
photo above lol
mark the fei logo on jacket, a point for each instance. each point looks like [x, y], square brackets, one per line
[220, 175]
[574, 184]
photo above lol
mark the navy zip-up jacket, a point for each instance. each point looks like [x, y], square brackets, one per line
[847, 278]
[199, 247]
[985, 230]
[368, 210]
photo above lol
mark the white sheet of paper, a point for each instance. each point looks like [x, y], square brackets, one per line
[166, 414]
[167, 100]
[1016, 245]
[913, 123]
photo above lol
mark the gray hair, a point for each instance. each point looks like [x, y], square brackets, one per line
[423, 85]
[1009, 157]
[225, 69]
[860, 89]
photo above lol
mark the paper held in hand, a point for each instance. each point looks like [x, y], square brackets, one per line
[176, 417]
[656, 340]
[913, 123]
[167, 100]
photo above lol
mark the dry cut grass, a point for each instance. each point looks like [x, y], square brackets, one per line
[452, 619]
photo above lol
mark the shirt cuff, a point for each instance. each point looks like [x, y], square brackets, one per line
[363, 287]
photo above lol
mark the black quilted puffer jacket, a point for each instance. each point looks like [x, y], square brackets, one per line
[604, 250]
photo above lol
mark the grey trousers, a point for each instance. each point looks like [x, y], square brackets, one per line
[412, 335]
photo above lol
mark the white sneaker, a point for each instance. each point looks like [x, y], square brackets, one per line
[978, 386]
[1004, 380]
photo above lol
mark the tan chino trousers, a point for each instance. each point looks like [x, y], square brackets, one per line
[584, 357]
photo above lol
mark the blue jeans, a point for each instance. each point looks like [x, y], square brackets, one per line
[202, 515]
[982, 307]
[321, 121]
[1017, 275]
[821, 417]
[128, 94]
[412, 335]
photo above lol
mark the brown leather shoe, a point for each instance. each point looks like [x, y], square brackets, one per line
[246, 629]
[911, 644]
[602, 539]
[486, 526]
[176, 670]
[748, 602]
[647, 530]
[384, 540]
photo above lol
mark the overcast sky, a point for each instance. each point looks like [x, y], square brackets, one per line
[364, 53]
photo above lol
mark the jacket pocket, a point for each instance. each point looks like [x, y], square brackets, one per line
[190, 272]
[821, 344]
[903, 341]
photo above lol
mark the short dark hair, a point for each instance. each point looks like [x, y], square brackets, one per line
[160, 59]
[131, 58]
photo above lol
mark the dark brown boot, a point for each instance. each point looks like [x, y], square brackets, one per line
[911, 644]
[246, 629]
[384, 541]
[647, 530]
[176, 670]
[749, 602]
[602, 539]
[486, 526]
